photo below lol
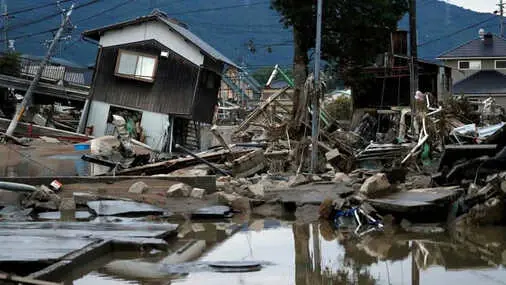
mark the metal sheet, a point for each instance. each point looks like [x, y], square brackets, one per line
[118, 208]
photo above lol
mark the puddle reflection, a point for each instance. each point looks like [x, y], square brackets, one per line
[316, 254]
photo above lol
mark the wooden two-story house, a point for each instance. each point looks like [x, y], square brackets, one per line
[479, 68]
[160, 76]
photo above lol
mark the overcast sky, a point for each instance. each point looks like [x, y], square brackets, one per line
[478, 5]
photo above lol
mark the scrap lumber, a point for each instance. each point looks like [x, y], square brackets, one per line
[36, 131]
[174, 164]
[25, 280]
[256, 113]
[248, 164]
[219, 137]
[217, 169]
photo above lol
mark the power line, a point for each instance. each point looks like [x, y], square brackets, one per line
[28, 9]
[22, 25]
[112, 8]
[457, 32]
[104, 11]
[218, 8]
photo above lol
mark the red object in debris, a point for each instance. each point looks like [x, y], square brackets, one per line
[56, 185]
[30, 130]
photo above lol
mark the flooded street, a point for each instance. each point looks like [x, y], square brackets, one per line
[311, 254]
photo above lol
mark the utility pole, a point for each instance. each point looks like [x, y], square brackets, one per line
[414, 55]
[315, 128]
[5, 20]
[35, 81]
[501, 15]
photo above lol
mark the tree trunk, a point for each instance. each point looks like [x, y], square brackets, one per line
[300, 61]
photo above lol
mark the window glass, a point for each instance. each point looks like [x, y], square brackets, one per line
[475, 64]
[500, 64]
[136, 66]
[145, 67]
[470, 64]
[464, 64]
[127, 63]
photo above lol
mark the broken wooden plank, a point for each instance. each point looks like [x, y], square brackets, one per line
[207, 182]
[78, 230]
[25, 280]
[74, 260]
[168, 166]
[219, 137]
[253, 115]
[248, 164]
[32, 247]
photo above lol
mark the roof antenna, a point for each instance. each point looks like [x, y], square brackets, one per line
[481, 32]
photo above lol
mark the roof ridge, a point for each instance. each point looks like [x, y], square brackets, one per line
[457, 47]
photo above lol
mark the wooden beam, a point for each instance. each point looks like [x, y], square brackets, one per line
[244, 125]
[78, 94]
[25, 280]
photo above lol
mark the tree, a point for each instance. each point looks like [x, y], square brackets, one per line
[353, 33]
[10, 64]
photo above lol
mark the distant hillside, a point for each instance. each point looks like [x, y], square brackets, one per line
[231, 30]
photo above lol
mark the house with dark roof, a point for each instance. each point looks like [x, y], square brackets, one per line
[479, 67]
[159, 75]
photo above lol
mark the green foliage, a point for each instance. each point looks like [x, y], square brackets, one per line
[262, 74]
[353, 32]
[340, 109]
[10, 64]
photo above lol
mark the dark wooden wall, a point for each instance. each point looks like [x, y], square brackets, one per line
[395, 89]
[206, 97]
[171, 92]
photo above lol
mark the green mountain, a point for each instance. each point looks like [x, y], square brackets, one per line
[247, 31]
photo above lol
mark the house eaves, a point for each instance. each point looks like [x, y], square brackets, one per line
[204, 47]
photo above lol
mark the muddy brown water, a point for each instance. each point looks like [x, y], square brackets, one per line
[314, 254]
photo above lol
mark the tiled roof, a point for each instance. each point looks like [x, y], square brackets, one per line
[483, 82]
[492, 47]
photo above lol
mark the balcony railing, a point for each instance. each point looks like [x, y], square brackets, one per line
[54, 72]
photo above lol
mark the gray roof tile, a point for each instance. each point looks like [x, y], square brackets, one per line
[478, 48]
[483, 82]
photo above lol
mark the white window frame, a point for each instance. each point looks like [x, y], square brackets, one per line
[470, 65]
[134, 76]
[495, 63]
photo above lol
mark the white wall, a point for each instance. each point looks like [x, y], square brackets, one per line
[155, 126]
[153, 31]
[98, 117]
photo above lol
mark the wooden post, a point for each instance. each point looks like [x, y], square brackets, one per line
[315, 128]
[35, 81]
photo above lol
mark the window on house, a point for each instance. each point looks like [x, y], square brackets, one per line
[136, 65]
[470, 64]
[500, 64]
